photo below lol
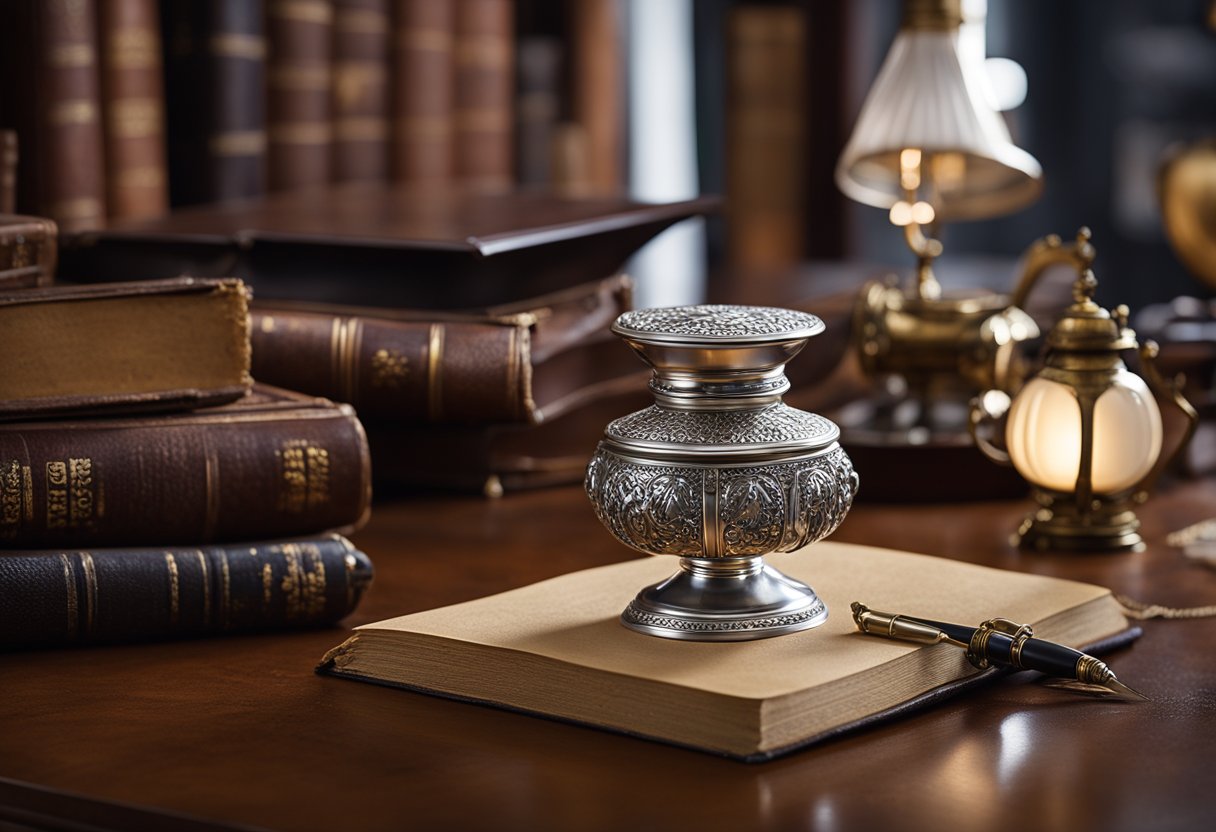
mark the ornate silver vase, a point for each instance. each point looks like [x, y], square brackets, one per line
[719, 472]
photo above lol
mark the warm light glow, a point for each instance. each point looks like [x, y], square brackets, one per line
[1044, 435]
[901, 213]
[909, 168]
[922, 213]
[948, 171]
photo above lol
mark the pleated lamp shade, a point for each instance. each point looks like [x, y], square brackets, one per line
[969, 167]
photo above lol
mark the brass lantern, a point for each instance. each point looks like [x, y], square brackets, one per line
[1086, 432]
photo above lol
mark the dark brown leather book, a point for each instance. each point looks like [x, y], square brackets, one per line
[48, 53]
[273, 464]
[423, 90]
[371, 244]
[8, 171]
[485, 92]
[133, 108]
[299, 120]
[215, 99]
[28, 251]
[598, 77]
[52, 598]
[360, 90]
[153, 345]
[508, 364]
[538, 107]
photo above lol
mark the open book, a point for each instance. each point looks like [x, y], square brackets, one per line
[556, 648]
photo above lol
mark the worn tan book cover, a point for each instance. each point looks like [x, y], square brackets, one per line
[557, 649]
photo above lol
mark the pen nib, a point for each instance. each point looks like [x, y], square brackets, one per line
[1112, 689]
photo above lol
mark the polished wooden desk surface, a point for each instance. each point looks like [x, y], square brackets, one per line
[241, 732]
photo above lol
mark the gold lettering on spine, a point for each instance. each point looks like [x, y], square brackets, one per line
[434, 376]
[90, 591]
[304, 476]
[69, 580]
[83, 504]
[174, 589]
[389, 369]
[267, 584]
[206, 577]
[16, 497]
[303, 582]
[56, 495]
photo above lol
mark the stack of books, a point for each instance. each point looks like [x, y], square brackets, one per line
[469, 330]
[148, 488]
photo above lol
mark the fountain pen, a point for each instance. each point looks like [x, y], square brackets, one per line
[1002, 642]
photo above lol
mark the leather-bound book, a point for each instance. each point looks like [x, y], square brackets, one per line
[272, 464]
[360, 89]
[28, 251]
[48, 54]
[133, 108]
[423, 90]
[374, 244]
[8, 171]
[485, 92]
[299, 119]
[57, 598]
[538, 108]
[510, 364]
[215, 99]
[153, 345]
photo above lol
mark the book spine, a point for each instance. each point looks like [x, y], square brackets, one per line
[485, 86]
[360, 90]
[69, 148]
[403, 371]
[133, 109]
[300, 129]
[598, 71]
[766, 135]
[189, 478]
[216, 103]
[423, 90]
[28, 252]
[53, 598]
[538, 107]
[8, 171]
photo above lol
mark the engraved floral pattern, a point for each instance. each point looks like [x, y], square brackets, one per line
[780, 507]
[718, 321]
[777, 423]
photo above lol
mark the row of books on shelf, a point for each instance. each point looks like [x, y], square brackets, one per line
[127, 105]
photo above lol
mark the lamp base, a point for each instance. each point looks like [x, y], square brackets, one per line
[725, 599]
[1059, 525]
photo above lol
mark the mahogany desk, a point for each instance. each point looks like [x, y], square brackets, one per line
[240, 732]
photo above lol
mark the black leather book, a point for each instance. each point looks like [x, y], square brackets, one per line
[73, 597]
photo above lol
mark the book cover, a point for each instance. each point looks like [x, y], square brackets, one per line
[484, 55]
[53, 598]
[394, 245]
[557, 649]
[272, 464]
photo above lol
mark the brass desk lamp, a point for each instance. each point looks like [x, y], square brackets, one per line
[930, 149]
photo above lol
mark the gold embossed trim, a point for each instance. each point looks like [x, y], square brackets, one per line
[239, 45]
[434, 371]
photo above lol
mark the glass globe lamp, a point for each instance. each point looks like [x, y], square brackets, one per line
[1086, 432]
